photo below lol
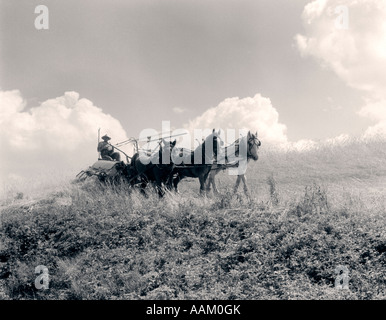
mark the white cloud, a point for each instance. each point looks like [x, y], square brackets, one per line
[376, 111]
[356, 54]
[305, 145]
[301, 145]
[313, 10]
[58, 135]
[255, 114]
[339, 140]
[178, 110]
[332, 106]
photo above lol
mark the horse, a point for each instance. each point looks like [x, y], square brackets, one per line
[155, 167]
[195, 164]
[252, 144]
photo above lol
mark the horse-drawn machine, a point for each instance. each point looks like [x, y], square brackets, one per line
[111, 170]
[164, 166]
[145, 166]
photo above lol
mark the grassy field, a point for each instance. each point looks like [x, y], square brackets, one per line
[309, 213]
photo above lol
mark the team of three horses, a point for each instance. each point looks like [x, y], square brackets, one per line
[207, 160]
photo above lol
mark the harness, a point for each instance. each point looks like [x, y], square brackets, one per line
[253, 141]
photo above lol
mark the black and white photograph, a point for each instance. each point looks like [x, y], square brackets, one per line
[206, 152]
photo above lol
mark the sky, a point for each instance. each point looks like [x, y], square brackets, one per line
[293, 71]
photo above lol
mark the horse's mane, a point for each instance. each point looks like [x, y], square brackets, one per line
[202, 146]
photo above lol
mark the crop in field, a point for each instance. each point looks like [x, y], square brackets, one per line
[309, 213]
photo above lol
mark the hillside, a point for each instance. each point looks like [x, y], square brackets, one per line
[310, 212]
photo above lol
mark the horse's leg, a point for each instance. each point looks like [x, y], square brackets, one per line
[204, 181]
[215, 190]
[169, 181]
[158, 182]
[212, 181]
[202, 178]
[209, 182]
[237, 183]
[143, 184]
[160, 190]
[142, 189]
[176, 180]
[246, 190]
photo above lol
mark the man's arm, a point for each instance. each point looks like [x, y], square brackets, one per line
[101, 146]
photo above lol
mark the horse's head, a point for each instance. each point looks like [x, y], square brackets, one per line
[253, 145]
[168, 145]
[165, 151]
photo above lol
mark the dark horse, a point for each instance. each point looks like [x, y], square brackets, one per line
[236, 151]
[155, 168]
[195, 164]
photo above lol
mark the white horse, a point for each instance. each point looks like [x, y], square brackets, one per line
[224, 160]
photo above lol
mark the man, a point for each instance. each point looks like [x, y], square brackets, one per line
[107, 150]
